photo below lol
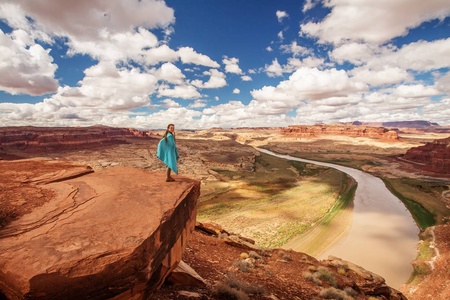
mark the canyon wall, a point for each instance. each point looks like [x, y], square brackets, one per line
[344, 130]
[434, 156]
[44, 138]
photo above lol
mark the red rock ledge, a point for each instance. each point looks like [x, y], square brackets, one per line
[113, 233]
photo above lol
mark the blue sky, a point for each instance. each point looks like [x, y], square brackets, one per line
[211, 63]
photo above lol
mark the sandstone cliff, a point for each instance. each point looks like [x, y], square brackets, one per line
[344, 130]
[434, 156]
[60, 138]
[113, 233]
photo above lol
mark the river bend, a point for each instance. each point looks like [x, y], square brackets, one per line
[383, 235]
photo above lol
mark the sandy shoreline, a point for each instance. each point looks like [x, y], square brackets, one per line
[322, 237]
[380, 235]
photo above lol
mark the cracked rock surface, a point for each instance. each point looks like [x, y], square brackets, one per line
[118, 231]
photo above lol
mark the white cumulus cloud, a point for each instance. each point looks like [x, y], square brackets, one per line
[189, 56]
[310, 84]
[373, 21]
[25, 67]
[232, 65]
[216, 80]
[281, 15]
[179, 91]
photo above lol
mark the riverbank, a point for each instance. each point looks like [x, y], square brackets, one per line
[330, 229]
[383, 235]
[274, 202]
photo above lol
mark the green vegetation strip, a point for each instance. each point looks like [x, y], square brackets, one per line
[422, 216]
[423, 198]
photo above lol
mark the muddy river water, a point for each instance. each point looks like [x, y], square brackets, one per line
[383, 235]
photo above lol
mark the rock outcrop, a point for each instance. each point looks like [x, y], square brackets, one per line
[61, 138]
[235, 271]
[345, 130]
[434, 156]
[431, 279]
[118, 232]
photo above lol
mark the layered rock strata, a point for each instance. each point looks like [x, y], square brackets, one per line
[434, 156]
[344, 130]
[118, 232]
[60, 138]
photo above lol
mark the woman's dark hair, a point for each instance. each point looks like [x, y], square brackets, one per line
[167, 131]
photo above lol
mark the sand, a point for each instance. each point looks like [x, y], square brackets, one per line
[382, 234]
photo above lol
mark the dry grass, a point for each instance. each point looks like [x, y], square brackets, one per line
[274, 203]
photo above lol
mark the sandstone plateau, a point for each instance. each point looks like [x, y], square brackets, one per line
[36, 139]
[112, 233]
[344, 130]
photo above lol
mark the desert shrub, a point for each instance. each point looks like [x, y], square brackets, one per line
[263, 252]
[311, 277]
[254, 255]
[257, 257]
[333, 293]
[243, 265]
[351, 292]
[224, 291]
[234, 282]
[287, 257]
[326, 275]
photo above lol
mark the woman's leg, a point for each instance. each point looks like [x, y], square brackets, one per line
[168, 172]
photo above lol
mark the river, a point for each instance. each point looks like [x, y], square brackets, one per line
[383, 235]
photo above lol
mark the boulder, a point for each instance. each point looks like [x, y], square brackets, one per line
[185, 275]
[368, 282]
[113, 233]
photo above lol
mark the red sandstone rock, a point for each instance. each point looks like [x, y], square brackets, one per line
[185, 275]
[433, 156]
[117, 232]
[432, 280]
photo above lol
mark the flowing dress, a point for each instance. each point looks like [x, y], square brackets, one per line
[168, 153]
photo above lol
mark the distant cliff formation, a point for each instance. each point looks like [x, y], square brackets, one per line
[58, 138]
[434, 156]
[345, 130]
[400, 124]
[418, 126]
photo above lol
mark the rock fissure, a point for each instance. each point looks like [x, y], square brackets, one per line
[51, 217]
[105, 237]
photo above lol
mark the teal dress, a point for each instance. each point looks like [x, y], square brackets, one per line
[168, 153]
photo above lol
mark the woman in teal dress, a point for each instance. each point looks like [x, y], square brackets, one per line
[167, 151]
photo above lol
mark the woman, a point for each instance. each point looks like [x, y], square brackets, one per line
[167, 151]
